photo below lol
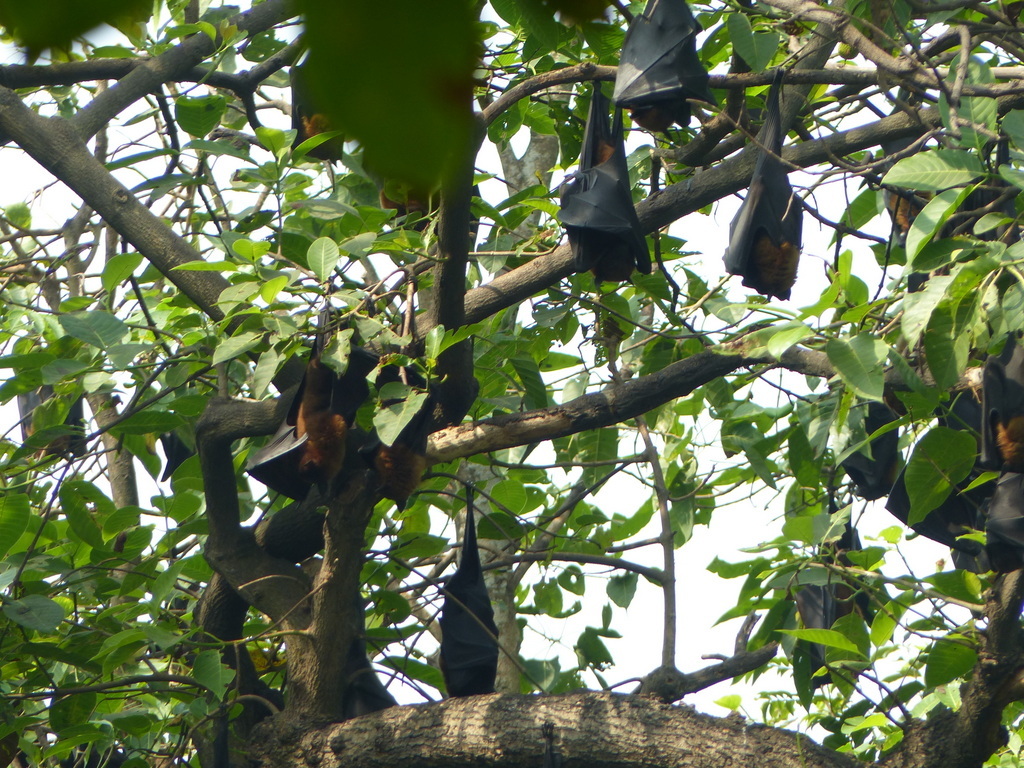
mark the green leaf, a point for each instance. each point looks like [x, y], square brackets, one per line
[35, 612]
[731, 701]
[929, 222]
[76, 497]
[118, 269]
[885, 622]
[1013, 125]
[69, 711]
[535, 393]
[591, 649]
[275, 140]
[14, 516]
[98, 328]
[236, 346]
[786, 335]
[19, 214]
[941, 459]
[859, 363]
[390, 420]
[197, 116]
[435, 81]
[827, 637]
[935, 169]
[322, 257]
[621, 589]
[211, 674]
[54, 23]
[946, 661]
[273, 287]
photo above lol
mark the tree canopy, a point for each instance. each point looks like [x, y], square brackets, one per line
[285, 291]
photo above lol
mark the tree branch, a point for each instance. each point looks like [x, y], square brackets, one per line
[171, 65]
[599, 730]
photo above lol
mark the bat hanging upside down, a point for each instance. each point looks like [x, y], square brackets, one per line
[309, 447]
[597, 205]
[765, 236]
[659, 70]
[469, 645]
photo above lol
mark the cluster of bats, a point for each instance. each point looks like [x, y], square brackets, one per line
[996, 420]
[309, 450]
[658, 74]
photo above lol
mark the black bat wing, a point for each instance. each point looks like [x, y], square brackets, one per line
[276, 464]
[958, 513]
[469, 648]
[175, 453]
[873, 476]
[351, 388]
[769, 211]
[1005, 527]
[659, 62]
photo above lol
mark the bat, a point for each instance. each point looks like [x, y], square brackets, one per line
[816, 606]
[904, 206]
[175, 454]
[69, 438]
[993, 196]
[659, 70]
[400, 466]
[874, 474]
[309, 447]
[307, 122]
[597, 205]
[961, 512]
[765, 236]
[1002, 403]
[821, 605]
[363, 693]
[1005, 527]
[469, 645]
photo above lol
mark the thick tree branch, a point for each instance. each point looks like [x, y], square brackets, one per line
[598, 730]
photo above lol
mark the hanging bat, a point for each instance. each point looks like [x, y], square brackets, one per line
[175, 454]
[765, 236]
[69, 438]
[821, 605]
[307, 122]
[992, 196]
[363, 693]
[659, 70]
[816, 606]
[1005, 526]
[1002, 402]
[874, 474]
[469, 644]
[399, 467]
[961, 512]
[309, 447]
[904, 206]
[597, 205]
